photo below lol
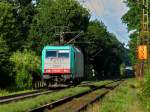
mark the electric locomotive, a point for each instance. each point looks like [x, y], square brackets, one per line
[62, 65]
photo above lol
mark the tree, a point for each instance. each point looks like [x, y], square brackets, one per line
[133, 20]
[133, 17]
[8, 39]
[14, 25]
[53, 17]
[8, 28]
[4, 64]
[104, 51]
[23, 13]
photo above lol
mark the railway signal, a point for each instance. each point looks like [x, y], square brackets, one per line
[142, 52]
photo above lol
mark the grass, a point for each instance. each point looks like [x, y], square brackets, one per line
[12, 91]
[145, 94]
[101, 83]
[123, 99]
[28, 104]
[43, 99]
[146, 89]
[5, 92]
[145, 102]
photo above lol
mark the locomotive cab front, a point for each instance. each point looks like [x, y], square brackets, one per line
[56, 65]
[62, 65]
[57, 62]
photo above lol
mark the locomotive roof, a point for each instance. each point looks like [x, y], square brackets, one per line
[67, 47]
[58, 47]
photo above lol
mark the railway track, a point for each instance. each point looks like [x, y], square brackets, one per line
[93, 97]
[21, 96]
[17, 97]
[78, 102]
[35, 93]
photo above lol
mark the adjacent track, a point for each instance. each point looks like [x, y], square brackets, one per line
[92, 98]
[16, 97]
[21, 96]
[78, 102]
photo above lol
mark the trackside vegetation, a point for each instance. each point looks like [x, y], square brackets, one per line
[26, 64]
[145, 101]
[126, 98]
[5, 92]
[146, 90]
[28, 104]
[133, 20]
[145, 94]
[13, 91]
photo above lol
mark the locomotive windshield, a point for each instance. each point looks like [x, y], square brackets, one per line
[63, 54]
[50, 54]
[59, 54]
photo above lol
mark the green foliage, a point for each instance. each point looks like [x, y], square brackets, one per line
[147, 83]
[12, 91]
[145, 101]
[3, 52]
[7, 34]
[123, 99]
[54, 16]
[133, 20]
[8, 27]
[105, 51]
[27, 104]
[26, 63]
[4, 64]
[133, 44]
[15, 19]
[133, 17]
[122, 70]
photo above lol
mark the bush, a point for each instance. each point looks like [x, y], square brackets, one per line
[4, 64]
[26, 64]
[122, 70]
[147, 83]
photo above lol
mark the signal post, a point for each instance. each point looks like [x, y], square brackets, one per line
[143, 40]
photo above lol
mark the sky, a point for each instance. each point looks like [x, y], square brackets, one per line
[110, 13]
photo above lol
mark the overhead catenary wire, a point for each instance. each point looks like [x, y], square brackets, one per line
[77, 36]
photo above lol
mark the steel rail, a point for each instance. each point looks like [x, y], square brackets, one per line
[97, 98]
[35, 93]
[67, 99]
[16, 97]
